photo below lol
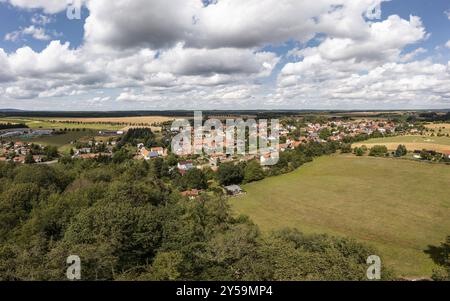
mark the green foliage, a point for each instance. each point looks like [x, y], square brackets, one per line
[51, 152]
[125, 223]
[324, 134]
[121, 156]
[293, 159]
[16, 203]
[7, 126]
[139, 135]
[346, 148]
[360, 151]
[441, 256]
[29, 158]
[192, 179]
[166, 266]
[401, 151]
[253, 172]
[378, 151]
[298, 257]
[229, 174]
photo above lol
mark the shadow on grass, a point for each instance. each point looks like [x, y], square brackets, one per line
[440, 254]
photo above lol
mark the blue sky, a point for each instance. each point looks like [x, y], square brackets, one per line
[150, 55]
[432, 14]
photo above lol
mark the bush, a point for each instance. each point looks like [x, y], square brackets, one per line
[346, 148]
[401, 151]
[378, 151]
[359, 151]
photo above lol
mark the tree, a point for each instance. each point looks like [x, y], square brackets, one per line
[378, 151]
[139, 135]
[194, 179]
[29, 158]
[401, 151]
[253, 172]
[324, 133]
[442, 258]
[346, 148]
[426, 155]
[126, 223]
[121, 155]
[166, 267]
[229, 174]
[295, 256]
[111, 237]
[51, 152]
[359, 151]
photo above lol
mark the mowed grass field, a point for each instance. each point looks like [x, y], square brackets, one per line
[400, 207]
[411, 142]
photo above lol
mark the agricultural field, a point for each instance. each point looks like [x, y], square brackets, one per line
[443, 128]
[40, 123]
[147, 120]
[109, 124]
[400, 207]
[412, 143]
[113, 123]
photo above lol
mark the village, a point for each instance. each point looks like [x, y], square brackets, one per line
[291, 137]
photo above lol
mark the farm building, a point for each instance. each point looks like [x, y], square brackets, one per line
[185, 166]
[233, 189]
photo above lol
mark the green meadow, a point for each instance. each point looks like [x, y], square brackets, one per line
[59, 140]
[398, 206]
[62, 142]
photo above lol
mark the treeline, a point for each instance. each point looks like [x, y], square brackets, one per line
[7, 126]
[246, 172]
[138, 135]
[127, 223]
[433, 116]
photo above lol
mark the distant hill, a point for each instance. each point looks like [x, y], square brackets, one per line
[10, 110]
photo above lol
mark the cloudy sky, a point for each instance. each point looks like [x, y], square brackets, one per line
[225, 54]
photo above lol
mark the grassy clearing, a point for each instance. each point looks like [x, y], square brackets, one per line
[62, 142]
[411, 142]
[400, 207]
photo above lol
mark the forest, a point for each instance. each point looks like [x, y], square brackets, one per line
[126, 222]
